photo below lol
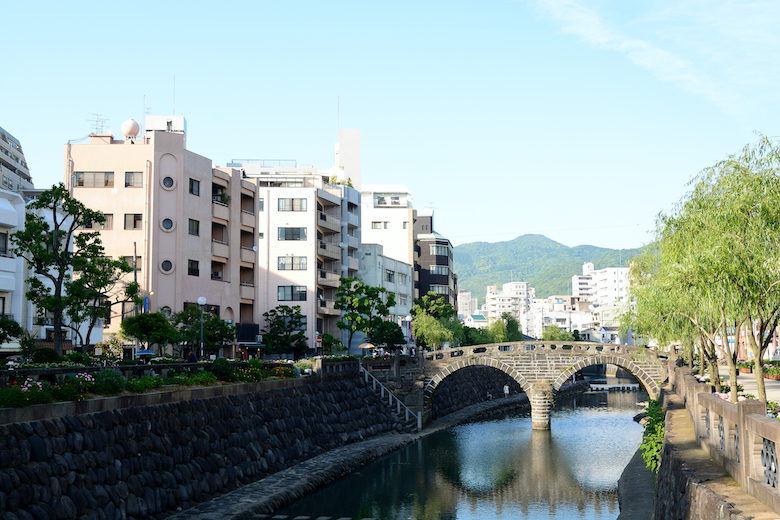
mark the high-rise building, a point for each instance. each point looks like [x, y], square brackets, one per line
[601, 287]
[388, 218]
[433, 265]
[466, 304]
[14, 173]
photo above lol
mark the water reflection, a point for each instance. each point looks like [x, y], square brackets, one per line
[498, 469]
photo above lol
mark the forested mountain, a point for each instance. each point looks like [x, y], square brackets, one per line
[543, 263]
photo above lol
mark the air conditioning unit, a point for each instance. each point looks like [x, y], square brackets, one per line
[216, 275]
[259, 338]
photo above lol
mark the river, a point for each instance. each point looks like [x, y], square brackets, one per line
[498, 469]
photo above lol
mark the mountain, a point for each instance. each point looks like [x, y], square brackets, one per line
[545, 264]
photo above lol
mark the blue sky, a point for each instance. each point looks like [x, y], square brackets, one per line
[577, 119]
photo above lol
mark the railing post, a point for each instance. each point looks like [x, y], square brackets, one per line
[747, 460]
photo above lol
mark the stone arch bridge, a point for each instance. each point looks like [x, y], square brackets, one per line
[541, 367]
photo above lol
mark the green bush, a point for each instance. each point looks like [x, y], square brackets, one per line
[109, 382]
[255, 363]
[69, 390]
[46, 355]
[653, 439]
[12, 397]
[222, 369]
[203, 378]
[303, 364]
[143, 384]
[249, 375]
[81, 359]
[180, 379]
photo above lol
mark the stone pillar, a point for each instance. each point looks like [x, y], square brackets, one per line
[541, 398]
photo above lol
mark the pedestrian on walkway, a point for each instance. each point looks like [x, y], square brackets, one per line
[506, 390]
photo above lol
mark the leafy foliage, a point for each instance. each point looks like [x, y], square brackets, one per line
[554, 333]
[364, 306]
[217, 333]
[283, 332]
[435, 321]
[109, 382]
[223, 369]
[653, 439]
[149, 328]
[332, 346]
[387, 334]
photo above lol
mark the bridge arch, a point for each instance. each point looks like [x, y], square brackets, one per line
[648, 383]
[437, 379]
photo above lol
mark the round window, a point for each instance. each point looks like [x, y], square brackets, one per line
[166, 311]
[167, 223]
[168, 182]
[167, 265]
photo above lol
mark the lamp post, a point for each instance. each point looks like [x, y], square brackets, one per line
[201, 303]
[408, 320]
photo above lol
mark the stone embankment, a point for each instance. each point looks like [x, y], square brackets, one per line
[136, 463]
[466, 387]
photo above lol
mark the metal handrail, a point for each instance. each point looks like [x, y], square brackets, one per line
[392, 396]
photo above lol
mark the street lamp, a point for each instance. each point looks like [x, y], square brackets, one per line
[408, 320]
[201, 303]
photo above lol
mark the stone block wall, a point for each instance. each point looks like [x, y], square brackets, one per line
[142, 462]
[470, 386]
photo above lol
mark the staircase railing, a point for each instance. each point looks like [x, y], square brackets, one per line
[391, 398]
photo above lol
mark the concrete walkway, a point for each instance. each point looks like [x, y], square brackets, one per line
[748, 381]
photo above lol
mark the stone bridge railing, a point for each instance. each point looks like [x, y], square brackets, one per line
[740, 437]
[541, 367]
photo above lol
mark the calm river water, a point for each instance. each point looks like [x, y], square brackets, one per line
[498, 469]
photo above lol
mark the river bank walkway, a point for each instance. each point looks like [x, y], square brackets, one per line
[275, 491]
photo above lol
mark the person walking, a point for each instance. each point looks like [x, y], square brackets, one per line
[506, 390]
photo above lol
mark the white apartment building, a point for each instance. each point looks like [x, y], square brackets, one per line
[466, 305]
[512, 298]
[388, 218]
[601, 287]
[14, 173]
[380, 270]
[12, 274]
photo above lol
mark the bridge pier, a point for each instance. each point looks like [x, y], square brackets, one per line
[541, 397]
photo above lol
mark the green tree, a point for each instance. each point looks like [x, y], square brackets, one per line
[364, 306]
[149, 328]
[497, 331]
[51, 246]
[9, 329]
[434, 305]
[553, 333]
[431, 332]
[332, 346]
[474, 336]
[284, 331]
[513, 331]
[93, 291]
[217, 333]
[389, 335]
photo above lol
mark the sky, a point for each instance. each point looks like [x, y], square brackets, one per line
[580, 120]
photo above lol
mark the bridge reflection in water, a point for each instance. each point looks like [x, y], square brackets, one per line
[498, 469]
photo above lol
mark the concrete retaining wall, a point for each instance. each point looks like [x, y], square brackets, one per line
[153, 460]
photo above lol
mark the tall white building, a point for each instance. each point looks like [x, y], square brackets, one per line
[388, 219]
[512, 298]
[601, 287]
[14, 173]
[466, 304]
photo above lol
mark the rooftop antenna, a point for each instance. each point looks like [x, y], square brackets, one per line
[147, 111]
[99, 123]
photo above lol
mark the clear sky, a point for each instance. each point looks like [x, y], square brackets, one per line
[577, 119]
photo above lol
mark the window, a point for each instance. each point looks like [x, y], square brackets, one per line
[440, 289]
[292, 263]
[402, 300]
[108, 224]
[167, 223]
[168, 182]
[402, 278]
[195, 187]
[295, 293]
[389, 276]
[94, 179]
[376, 225]
[4, 244]
[439, 269]
[406, 224]
[292, 204]
[134, 179]
[194, 227]
[133, 221]
[261, 205]
[438, 250]
[129, 260]
[166, 265]
[192, 268]
[292, 233]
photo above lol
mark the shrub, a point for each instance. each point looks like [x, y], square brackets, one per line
[69, 390]
[653, 439]
[12, 397]
[303, 364]
[222, 369]
[81, 359]
[109, 382]
[255, 363]
[249, 375]
[145, 383]
[46, 355]
[203, 378]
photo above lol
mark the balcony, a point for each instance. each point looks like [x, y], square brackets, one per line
[353, 264]
[326, 221]
[353, 219]
[219, 209]
[248, 254]
[328, 250]
[219, 248]
[247, 218]
[327, 278]
[334, 199]
[328, 308]
[247, 291]
[352, 242]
